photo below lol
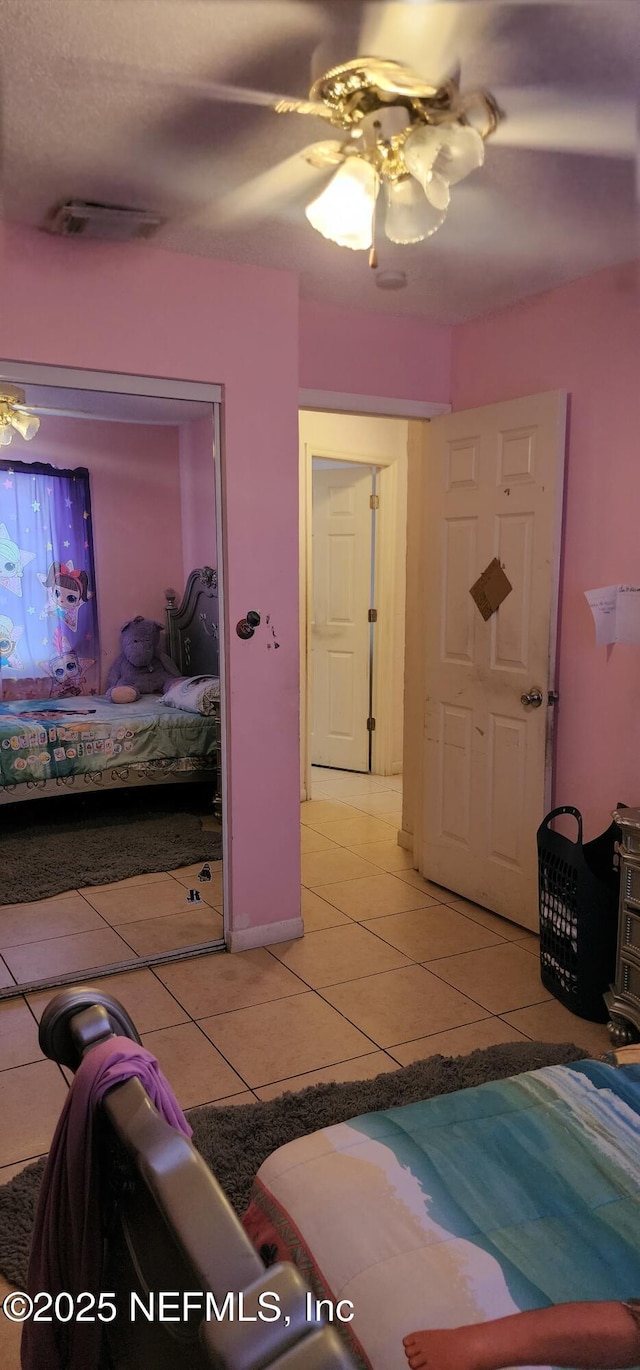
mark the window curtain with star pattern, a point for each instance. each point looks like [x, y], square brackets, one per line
[48, 611]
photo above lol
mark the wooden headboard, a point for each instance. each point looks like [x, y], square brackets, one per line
[192, 626]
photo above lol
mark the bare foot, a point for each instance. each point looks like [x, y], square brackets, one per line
[439, 1350]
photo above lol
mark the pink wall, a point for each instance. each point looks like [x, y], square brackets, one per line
[135, 491]
[141, 310]
[583, 338]
[197, 493]
[356, 352]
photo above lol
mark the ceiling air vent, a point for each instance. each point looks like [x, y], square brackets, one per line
[81, 218]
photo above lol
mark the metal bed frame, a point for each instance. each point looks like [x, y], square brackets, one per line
[167, 1225]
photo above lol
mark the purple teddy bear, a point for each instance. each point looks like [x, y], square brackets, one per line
[140, 669]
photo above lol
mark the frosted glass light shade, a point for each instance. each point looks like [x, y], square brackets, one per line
[5, 435]
[26, 425]
[344, 210]
[441, 156]
[410, 216]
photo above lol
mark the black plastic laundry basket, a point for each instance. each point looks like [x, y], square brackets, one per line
[578, 888]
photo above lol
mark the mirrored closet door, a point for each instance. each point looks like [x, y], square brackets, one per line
[111, 677]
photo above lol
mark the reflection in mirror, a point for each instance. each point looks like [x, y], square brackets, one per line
[110, 678]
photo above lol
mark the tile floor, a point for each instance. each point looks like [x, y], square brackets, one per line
[392, 968]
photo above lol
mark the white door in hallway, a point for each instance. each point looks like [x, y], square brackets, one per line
[340, 629]
[493, 483]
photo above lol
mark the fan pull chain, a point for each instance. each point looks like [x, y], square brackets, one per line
[373, 251]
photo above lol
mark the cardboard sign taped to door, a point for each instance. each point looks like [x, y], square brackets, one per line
[490, 589]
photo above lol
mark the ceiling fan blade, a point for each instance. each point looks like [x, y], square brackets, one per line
[431, 37]
[282, 185]
[220, 91]
[559, 121]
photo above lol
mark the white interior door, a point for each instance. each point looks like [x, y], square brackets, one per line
[340, 629]
[493, 485]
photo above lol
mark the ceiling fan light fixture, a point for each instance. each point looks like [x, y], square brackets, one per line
[410, 216]
[344, 211]
[26, 425]
[5, 433]
[440, 156]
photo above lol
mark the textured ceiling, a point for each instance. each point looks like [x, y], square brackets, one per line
[91, 110]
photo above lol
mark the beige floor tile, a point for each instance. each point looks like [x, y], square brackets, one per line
[153, 935]
[31, 1098]
[512, 932]
[530, 942]
[392, 817]
[222, 982]
[247, 1097]
[552, 1022]
[384, 801]
[197, 1073]
[325, 867]
[487, 1032]
[278, 1040]
[362, 1068]
[311, 841]
[148, 901]
[426, 934]
[353, 785]
[372, 896]
[153, 878]
[18, 1035]
[354, 831]
[315, 811]
[387, 855]
[22, 923]
[66, 955]
[210, 891]
[395, 783]
[10, 1334]
[402, 1005]
[318, 914]
[140, 993]
[438, 892]
[6, 979]
[500, 978]
[326, 958]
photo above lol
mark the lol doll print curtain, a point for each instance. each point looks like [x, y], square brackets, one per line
[49, 644]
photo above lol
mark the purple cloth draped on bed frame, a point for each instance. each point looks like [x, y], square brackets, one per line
[66, 1252]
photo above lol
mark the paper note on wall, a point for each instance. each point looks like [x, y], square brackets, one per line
[616, 613]
[602, 604]
[628, 613]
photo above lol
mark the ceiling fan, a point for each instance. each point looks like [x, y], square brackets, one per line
[404, 138]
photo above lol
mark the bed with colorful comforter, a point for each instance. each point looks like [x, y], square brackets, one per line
[64, 743]
[513, 1195]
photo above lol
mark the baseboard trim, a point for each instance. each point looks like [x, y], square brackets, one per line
[245, 939]
[405, 839]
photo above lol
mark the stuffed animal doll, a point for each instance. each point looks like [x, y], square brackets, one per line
[140, 669]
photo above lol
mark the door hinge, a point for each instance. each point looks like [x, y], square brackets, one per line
[371, 725]
[373, 615]
[374, 501]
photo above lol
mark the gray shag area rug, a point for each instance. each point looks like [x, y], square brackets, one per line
[42, 859]
[235, 1140]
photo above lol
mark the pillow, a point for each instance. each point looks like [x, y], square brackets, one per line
[198, 694]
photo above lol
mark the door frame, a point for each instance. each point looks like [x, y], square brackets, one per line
[122, 383]
[379, 407]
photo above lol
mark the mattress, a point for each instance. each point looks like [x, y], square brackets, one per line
[52, 739]
[513, 1195]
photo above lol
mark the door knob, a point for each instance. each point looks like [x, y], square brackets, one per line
[533, 697]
